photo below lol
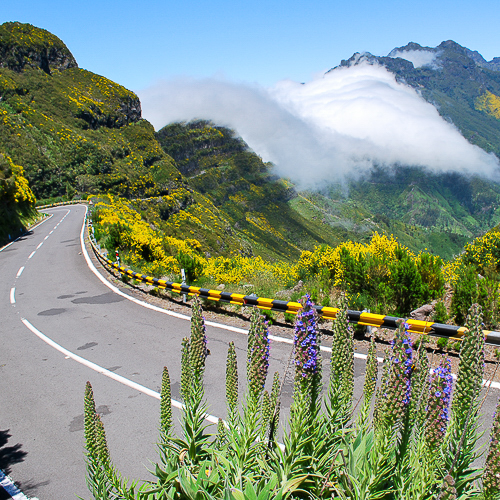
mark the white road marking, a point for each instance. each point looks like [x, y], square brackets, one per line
[31, 255]
[495, 385]
[51, 232]
[24, 234]
[39, 245]
[183, 316]
[12, 295]
[46, 237]
[104, 371]
[7, 484]
[20, 272]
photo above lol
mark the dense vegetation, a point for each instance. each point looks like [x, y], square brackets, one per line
[17, 202]
[71, 130]
[408, 439]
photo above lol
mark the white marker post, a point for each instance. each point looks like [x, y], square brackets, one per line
[183, 274]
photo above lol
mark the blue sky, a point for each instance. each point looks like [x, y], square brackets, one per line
[137, 43]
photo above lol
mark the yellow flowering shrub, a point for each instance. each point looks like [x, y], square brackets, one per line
[489, 103]
[381, 274]
[17, 202]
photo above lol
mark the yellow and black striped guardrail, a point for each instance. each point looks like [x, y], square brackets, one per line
[359, 317]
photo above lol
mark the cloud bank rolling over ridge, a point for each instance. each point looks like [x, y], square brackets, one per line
[336, 125]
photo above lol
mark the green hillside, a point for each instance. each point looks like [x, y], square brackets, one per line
[255, 204]
[73, 131]
[463, 86]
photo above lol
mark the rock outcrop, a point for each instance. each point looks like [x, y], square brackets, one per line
[25, 46]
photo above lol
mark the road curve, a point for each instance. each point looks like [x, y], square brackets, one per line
[47, 283]
[62, 326]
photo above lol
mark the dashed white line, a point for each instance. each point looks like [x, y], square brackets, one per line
[51, 232]
[12, 295]
[104, 371]
[20, 272]
[31, 254]
[46, 237]
[39, 245]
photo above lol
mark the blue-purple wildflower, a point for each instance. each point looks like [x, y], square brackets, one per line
[394, 396]
[438, 407]
[305, 341]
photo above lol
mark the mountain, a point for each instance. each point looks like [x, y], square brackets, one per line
[73, 131]
[76, 133]
[459, 82]
[252, 201]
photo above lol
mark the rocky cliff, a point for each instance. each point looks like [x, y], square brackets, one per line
[25, 46]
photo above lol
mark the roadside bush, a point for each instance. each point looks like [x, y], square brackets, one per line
[440, 313]
[471, 287]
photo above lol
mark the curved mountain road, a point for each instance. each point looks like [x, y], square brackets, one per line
[47, 289]
[47, 286]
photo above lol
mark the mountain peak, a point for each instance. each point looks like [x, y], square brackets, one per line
[24, 45]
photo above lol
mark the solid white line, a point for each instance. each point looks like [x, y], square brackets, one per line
[183, 316]
[12, 295]
[11, 488]
[24, 234]
[31, 255]
[103, 371]
[20, 272]
[7, 246]
[39, 245]
[495, 385]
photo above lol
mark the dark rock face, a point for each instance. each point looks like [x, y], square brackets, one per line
[128, 112]
[131, 109]
[25, 46]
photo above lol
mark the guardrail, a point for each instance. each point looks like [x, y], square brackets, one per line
[359, 317]
[72, 202]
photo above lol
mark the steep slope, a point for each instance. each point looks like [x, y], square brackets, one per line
[253, 202]
[17, 203]
[459, 82]
[72, 130]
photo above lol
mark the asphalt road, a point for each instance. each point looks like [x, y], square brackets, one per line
[47, 288]
[47, 283]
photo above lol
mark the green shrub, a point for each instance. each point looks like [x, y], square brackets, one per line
[406, 283]
[191, 265]
[472, 288]
[442, 342]
[440, 314]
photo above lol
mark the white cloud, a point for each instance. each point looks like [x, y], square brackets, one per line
[419, 58]
[339, 124]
